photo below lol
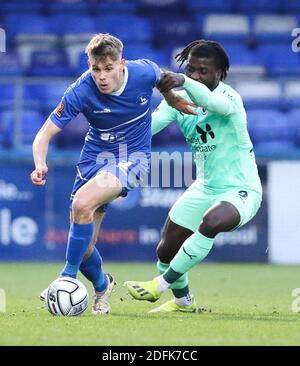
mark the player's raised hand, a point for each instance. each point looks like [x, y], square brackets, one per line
[38, 175]
[170, 80]
[182, 105]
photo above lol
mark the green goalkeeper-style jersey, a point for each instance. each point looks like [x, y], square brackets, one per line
[217, 136]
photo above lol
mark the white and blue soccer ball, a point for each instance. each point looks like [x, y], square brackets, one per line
[67, 296]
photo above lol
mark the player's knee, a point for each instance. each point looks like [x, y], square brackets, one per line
[211, 225]
[80, 208]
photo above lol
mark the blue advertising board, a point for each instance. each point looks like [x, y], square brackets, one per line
[34, 221]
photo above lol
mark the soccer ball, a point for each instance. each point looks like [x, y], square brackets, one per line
[67, 296]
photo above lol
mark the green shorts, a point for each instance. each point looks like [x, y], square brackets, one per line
[190, 208]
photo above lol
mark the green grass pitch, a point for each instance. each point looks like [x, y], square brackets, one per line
[243, 304]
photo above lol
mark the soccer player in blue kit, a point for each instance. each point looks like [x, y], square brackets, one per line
[114, 95]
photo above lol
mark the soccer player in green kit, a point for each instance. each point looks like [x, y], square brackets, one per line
[227, 192]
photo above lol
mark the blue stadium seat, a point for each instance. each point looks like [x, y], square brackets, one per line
[294, 117]
[161, 57]
[290, 6]
[256, 7]
[128, 28]
[273, 28]
[53, 93]
[243, 61]
[7, 92]
[260, 94]
[169, 7]
[68, 7]
[292, 94]
[239, 53]
[227, 27]
[211, 6]
[279, 59]
[21, 6]
[174, 31]
[33, 95]
[82, 65]
[29, 24]
[117, 7]
[10, 64]
[271, 130]
[64, 24]
[49, 63]
[31, 122]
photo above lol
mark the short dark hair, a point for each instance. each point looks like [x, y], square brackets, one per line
[209, 49]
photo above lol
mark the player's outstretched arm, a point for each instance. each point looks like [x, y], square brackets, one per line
[176, 101]
[40, 150]
[198, 92]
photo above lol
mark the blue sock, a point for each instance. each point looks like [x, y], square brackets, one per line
[92, 270]
[80, 236]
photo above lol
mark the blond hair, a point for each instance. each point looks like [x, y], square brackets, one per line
[104, 45]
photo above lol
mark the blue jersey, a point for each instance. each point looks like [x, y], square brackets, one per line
[123, 117]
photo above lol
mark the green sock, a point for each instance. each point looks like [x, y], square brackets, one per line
[180, 287]
[193, 251]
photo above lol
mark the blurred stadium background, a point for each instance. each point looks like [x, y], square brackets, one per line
[44, 53]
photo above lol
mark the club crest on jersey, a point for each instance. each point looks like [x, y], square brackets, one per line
[143, 99]
[59, 109]
[203, 111]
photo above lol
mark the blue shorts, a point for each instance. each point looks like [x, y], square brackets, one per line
[131, 173]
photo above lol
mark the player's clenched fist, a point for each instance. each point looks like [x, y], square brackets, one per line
[38, 175]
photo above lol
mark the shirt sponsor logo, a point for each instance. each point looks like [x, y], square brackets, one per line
[105, 110]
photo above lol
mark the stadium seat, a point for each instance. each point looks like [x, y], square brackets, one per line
[174, 31]
[53, 93]
[169, 7]
[226, 27]
[161, 57]
[7, 92]
[31, 122]
[211, 6]
[134, 29]
[243, 61]
[273, 28]
[279, 60]
[26, 50]
[292, 94]
[294, 117]
[68, 24]
[33, 96]
[68, 7]
[117, 7]
[290, 7]
[10, 64]
[260, 94]
[20, 6]
[271, 129]
[18, 25]
[256, 7]
[49, 63]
